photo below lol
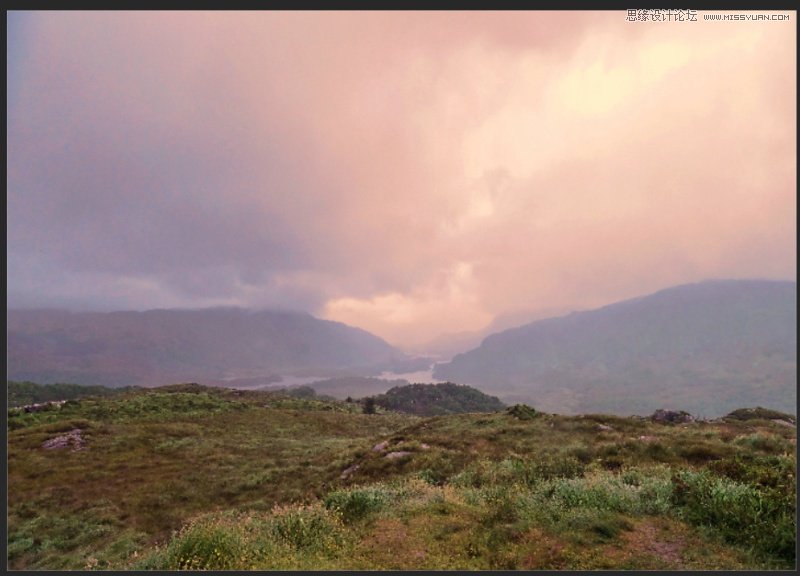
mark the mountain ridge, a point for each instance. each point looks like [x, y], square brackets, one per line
[167, 345]
[647, 351]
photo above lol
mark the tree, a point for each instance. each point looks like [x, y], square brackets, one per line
[369, 405]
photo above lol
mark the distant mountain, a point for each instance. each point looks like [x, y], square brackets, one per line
[165, 346]
[437, 399]
[707, 348]
[447, 345]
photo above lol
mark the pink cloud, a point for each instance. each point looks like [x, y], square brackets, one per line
[568, 158]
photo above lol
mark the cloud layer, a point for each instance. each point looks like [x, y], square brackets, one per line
[408, 173]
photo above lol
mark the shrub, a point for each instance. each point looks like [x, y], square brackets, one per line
[763, 442]
[701, 452]
[356, 503]
[522, 412]
[775, 472]
[204, 545]
[306, 527]
[740, 513]
[502, 504]
[594, 525]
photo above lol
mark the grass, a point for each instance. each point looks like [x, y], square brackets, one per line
[193, 477]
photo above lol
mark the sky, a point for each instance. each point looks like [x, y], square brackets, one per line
[409, 173]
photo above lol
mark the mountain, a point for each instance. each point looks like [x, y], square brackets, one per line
[164, 346]
[447, 345]
[706, 348]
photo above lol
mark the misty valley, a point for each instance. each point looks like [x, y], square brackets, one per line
[652, 433]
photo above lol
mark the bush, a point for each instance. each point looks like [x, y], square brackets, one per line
[764, 443]
[522, 412]
[306, 527]
[774, 472]
[741, 513]
[357, 503]
[204, 545]
[593, 525]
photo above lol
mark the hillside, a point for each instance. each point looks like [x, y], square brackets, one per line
[187, 476]
[23, 393]
[707, 348]
[163, 346]
[437, 399]
[354, 386]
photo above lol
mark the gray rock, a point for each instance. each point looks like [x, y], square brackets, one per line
[348, 471]
[784, 423]
[400, 454]
[73, 437]
[673, 416]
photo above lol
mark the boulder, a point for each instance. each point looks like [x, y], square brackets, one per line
[671, 416]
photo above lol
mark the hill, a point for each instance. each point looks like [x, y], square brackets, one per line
[707, 348]
[354, 386]
[163, 346]
[437, 399]
[24, 393]
[187, 476]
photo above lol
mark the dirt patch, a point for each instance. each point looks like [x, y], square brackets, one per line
[542, 551]
[666, 545]
[394, 548]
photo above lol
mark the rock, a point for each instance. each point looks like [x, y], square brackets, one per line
[381, 446]
[38, 407]
[73, 437]
[672, 416]
[784, 423]
[400, 454]
[348, 471]
[424, 446]
[647, 438]
[604, 427]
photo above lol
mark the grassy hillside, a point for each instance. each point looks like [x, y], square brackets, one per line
[192, 477]
[23, 393]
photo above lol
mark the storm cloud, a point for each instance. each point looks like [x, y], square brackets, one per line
[408, 173]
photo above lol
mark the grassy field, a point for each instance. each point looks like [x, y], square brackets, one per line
[193, 477]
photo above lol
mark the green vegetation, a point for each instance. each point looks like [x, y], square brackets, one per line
[759, 413]
[24, 393]
[437, 399]
[192, 477]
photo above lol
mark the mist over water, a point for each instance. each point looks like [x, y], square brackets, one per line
[419, 377]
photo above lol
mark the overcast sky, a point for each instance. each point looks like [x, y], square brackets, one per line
[407, 173]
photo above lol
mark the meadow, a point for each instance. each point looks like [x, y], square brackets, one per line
[189, 477]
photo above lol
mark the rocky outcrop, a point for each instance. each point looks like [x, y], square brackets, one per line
[671, 416]
[72, 438]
